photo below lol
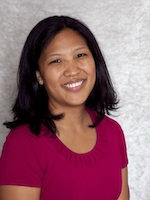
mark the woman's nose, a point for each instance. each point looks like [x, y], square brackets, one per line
[72, 69]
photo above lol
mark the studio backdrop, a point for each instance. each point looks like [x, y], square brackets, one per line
[122, 29]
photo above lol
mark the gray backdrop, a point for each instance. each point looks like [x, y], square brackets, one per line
[123, 32]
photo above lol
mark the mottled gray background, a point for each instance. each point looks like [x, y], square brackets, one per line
[123, 31]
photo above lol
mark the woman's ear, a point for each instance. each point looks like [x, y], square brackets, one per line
[39, 78]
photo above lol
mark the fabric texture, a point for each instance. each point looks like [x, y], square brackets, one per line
[45, 162]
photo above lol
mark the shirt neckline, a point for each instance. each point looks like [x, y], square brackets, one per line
[68, 150]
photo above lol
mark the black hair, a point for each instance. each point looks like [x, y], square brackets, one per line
[31, 105]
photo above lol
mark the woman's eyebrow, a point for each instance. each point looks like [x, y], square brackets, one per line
[60, 54]
[53, 54]
[80, 48]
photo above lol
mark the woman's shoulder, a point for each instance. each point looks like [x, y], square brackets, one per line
[23, 129]
[23, 153]
[24, 136]
[21, 142]
[109, 128]
[21, 132]
[107, 121]
[110, 122]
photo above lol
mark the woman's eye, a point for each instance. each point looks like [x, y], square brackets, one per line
[81, 55]
[55, 61]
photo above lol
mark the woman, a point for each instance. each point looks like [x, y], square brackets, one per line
[62, 145]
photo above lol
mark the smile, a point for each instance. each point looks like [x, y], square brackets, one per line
[73, 85]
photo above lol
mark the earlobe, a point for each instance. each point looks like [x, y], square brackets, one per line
[39, 78]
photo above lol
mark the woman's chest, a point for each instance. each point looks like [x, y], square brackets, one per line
[96, 175]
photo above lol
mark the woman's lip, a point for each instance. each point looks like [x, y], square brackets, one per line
[74, 85]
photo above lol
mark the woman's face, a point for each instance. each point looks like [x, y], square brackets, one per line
[67, 70]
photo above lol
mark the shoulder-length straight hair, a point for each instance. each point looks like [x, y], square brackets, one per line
[31, 105]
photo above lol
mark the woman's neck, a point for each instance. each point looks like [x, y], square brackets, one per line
[74, 131]
[75, 119]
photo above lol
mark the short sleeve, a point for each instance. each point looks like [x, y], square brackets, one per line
[117, 139]
[123, 151]
[121, 143]
[21, 162]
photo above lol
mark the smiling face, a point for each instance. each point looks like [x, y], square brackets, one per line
[67, 70]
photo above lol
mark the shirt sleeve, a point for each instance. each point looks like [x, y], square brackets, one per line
[123, 151]
[21, 162]
[118, 140]
[122, 144]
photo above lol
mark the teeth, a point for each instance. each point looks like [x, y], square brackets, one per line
[72, 85]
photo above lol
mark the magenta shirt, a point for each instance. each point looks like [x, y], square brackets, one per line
[45, 162]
